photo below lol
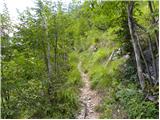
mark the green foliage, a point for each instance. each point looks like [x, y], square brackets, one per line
[74, 77]
[135, 104]
[101, 75]
[67, 99]
[128, 72]
[27, 91]
[100, 54]
[40, 78]
[119, 75]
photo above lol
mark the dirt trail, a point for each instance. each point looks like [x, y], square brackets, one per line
[89, 98]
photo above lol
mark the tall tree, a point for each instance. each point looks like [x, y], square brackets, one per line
[135, 44]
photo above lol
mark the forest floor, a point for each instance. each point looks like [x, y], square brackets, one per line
[89, 98]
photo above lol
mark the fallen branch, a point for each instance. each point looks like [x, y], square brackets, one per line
[110, 58]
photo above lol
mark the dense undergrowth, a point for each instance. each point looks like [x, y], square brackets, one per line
[108, 56]
[64, 104]
[40, 78]
[40, 54]
[67, 98]
[123, 98]
[116, 80]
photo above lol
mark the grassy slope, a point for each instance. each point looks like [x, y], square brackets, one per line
[116, 81]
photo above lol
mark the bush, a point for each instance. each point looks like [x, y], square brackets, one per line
[135, 105]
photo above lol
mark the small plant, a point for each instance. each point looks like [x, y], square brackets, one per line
[135, 104]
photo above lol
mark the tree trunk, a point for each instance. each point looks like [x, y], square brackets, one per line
[145, 62]
[154, 22]
[55, 44]
[48, 47]
[135, 45]
[152, 55]
[55, 52]
[151, 51]
[47, 53]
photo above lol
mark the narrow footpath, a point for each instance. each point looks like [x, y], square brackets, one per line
[89, 98]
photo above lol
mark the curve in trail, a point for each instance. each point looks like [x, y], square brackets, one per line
[88, 97]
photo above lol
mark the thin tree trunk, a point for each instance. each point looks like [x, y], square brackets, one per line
[48, 47]
[55, 52]
[134, 43]
[152, 55]
[47, 53]
[154, 22]
[151, 51]
[145, 62]
[55, 44]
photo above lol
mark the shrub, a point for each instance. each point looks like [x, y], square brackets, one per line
[134, 103]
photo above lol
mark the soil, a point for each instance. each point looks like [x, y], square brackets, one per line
[89, 98]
